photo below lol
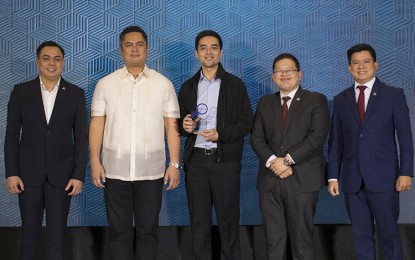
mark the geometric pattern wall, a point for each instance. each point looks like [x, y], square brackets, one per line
[318, 32]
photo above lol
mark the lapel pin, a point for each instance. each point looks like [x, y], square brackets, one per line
[63, 88]
[374, 93]
[298, 99]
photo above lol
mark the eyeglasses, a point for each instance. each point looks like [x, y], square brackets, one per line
[287, 72]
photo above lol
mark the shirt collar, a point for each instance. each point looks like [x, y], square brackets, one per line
[42, 85]
[368, 84]
[202, 77]
[291, 94]
[125, 73]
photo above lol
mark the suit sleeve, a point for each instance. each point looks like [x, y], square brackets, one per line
[11, 144]
[80, 130]
[258, 139]
[317, 132]
[404, 134]
[336, 144]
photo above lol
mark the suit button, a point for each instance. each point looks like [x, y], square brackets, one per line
[48, 132]
[361, 135]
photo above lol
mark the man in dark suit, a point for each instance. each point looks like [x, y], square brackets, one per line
[289, 131]
[46, 150]
[362, 146]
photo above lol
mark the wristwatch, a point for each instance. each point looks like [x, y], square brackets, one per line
[175, 165]
[287, 162]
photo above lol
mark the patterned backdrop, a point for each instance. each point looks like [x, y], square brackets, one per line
[318, 32]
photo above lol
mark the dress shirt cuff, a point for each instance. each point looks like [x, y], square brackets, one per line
[330, 180]
[268, 164]
[291, 159]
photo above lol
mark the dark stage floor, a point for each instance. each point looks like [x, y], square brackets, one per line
[332, 242]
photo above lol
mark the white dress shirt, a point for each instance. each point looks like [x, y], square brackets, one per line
[368, 90]
[48, 98]
[133, 145]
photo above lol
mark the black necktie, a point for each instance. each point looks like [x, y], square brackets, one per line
[284, 109]
[361, 102]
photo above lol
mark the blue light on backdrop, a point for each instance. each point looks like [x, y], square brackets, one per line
[318, 32]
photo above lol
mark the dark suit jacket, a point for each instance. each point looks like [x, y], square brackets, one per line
[368, 151]
[306, 130]
[34, 149]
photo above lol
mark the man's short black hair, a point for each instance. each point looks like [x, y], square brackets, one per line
[49, 44]
[131, 29]
[286, 55]
[358, 48]
[208, 33]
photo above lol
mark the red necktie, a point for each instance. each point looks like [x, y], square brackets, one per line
[361, 102]
[284, 109]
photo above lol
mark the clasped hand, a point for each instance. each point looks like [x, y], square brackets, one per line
[279, 169]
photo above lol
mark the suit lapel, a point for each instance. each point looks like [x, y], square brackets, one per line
[277, 110]
[377, 90]
[351, 97]
[38, 101]
[291, 111]
[60, 100]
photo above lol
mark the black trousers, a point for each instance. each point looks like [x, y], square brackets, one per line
[211, 183]
[138, 200]
[288, 212]
[33, 201]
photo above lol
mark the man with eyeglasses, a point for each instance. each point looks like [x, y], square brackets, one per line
[290, 129]
[368, 118]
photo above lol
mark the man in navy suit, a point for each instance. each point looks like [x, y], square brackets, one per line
[362, 147]
[46, 150]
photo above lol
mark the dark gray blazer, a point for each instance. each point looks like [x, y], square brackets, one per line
[306, 130]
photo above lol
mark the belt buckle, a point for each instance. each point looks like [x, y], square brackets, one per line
[208, 152]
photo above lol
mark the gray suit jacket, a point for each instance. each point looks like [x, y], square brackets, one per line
[307, 127]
